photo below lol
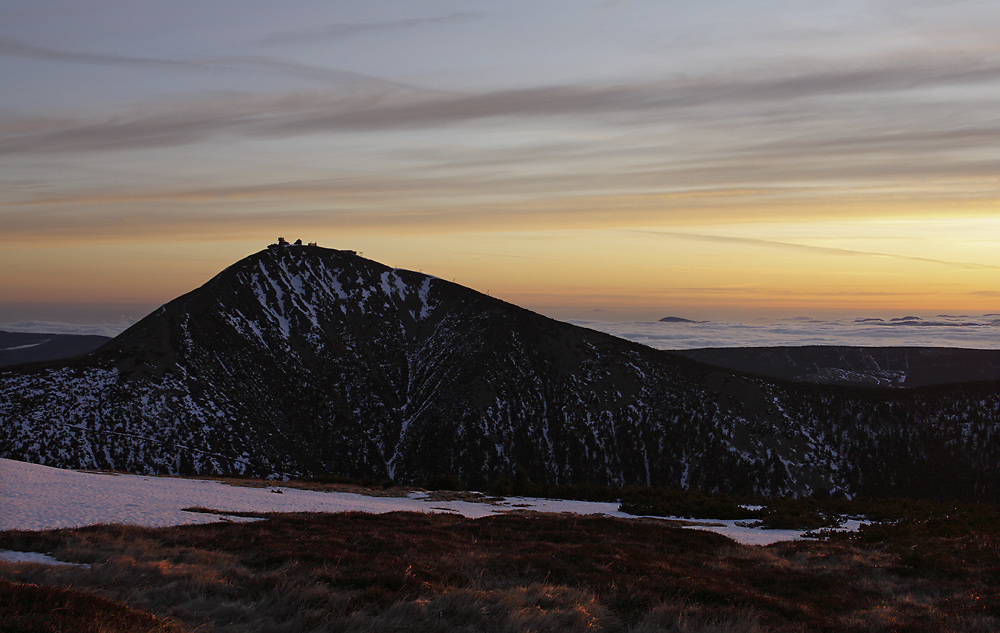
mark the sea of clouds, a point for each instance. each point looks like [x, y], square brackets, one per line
[55, 327]
[965, 331]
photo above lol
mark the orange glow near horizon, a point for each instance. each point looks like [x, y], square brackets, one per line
[797, 158]
[888, 265]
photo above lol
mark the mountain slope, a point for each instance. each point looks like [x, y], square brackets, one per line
[306, 361]
[29, 347]
[843, 365]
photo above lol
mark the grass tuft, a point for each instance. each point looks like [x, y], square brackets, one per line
[29, 608]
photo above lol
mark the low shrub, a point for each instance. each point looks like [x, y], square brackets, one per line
[418, 572]
[444, 481]
[29, 608]
[689, 504]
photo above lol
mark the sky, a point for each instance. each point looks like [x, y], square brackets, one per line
[634, 158]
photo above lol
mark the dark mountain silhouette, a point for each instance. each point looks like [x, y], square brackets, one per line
[845, 365]
[304, 361]
[29, 347]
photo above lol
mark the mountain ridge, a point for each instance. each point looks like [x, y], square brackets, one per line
[304, 361]
[17, 348]
[888, 366]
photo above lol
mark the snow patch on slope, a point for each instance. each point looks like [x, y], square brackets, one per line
[76, 499]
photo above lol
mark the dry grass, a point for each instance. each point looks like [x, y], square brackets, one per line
[27, 608]
[531, 572]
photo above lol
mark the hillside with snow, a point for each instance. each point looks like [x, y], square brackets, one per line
[308, 362]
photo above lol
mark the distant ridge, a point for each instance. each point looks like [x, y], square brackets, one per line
[857, 366]
[30, 347]
[307, 361]
[675, 319]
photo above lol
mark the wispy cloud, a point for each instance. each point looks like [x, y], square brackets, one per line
[347, 29]
[653, 98]
[14, 48]
[262, 63]
[404, 107]
[232, 63]
[737, 139]
[505, 256]
[813, 249]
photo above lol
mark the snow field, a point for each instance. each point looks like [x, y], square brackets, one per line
[34, 497]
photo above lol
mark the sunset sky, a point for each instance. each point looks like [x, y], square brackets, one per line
[707, 159]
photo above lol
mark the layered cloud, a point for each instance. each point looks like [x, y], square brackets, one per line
[640, 103]
[15, 48]
[774, 141]
[340, 30]
[812, 249]
[972, 332]
[389, 119]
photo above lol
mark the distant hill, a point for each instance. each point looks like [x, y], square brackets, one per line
[843, 365]
[24, 347]
[674, 319]
[311, 362]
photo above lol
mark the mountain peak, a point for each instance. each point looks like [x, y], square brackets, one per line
[309, 361]
[290, 298]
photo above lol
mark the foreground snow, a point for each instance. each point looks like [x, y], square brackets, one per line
[9, 556]
[36, 497]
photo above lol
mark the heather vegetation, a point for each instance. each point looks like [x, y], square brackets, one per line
[818, 511]
[30, 608]
[895, 517]
[516, 572]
